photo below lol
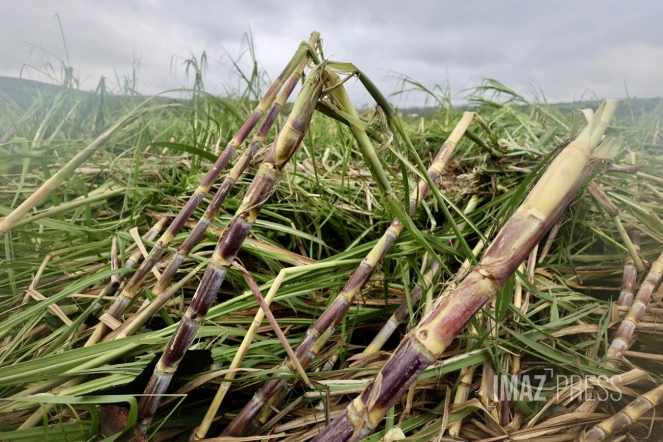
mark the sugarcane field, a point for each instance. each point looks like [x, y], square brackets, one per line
[310, 254]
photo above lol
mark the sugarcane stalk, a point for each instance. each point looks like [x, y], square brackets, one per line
[335, 312]
[161, 288]
[429, 305]
[131, 288]
[471, 205]
[522, 306]
[464, 385]
[553, 192]
[462, 392]
[531, 272]
[630, 273]
[461, 396]
[130, 326]
[9, 221]
[402, 311]
[466, 373]
[136, 254]
[415, 295]
[609, 207]
[624, 335]
[130, 263]
[201, 431]
[625, 417]
[514, 368]
[326, 402]
[518, 301]
[264, 405]
[228, 183]
[488, 389]
[549, 241]
[330, 362]
[114, 261]
[272, 321]
[284, 146]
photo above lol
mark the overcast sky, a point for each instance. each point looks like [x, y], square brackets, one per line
[569, 49]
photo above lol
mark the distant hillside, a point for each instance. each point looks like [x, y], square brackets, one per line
[638, 106]
[22, 92]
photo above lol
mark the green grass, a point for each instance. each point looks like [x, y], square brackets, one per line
[326, 208]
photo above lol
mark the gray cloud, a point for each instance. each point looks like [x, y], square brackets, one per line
[567, 48]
